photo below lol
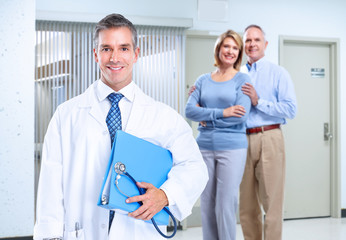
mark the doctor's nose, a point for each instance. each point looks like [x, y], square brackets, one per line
[113, 57]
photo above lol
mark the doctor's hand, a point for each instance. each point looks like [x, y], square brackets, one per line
[154, 200]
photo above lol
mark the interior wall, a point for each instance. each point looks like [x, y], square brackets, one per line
[295, 18]
[17, 39]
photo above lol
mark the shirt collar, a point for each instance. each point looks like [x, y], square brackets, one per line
[256, 65]
[103, 91]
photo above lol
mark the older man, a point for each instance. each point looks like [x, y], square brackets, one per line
[273, 100]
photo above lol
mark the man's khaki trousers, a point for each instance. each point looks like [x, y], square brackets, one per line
[263, 186]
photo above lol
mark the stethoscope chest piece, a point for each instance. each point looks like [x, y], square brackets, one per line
[120, 168]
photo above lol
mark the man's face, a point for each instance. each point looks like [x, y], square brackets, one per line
[116, 55]
[255, 44]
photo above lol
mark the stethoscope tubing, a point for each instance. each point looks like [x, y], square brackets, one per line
[142, 191]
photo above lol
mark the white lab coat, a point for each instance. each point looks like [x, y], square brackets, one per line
[74, 160]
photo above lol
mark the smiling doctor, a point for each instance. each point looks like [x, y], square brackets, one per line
[77, 147]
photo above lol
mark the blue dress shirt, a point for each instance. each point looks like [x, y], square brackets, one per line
[274, 87]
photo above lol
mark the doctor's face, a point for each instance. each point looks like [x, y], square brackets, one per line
[116, 55]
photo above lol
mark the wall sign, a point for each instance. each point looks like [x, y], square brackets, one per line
[317, 72]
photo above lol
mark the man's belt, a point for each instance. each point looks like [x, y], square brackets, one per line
[262, 129]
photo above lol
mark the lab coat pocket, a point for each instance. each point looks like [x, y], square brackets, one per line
[76, 234]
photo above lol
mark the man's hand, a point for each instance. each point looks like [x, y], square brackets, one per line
[192, 88]
[234, 111]
[250, 91]
[154, 200]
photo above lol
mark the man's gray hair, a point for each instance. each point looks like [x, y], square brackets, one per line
[258, 27]
[114, 21]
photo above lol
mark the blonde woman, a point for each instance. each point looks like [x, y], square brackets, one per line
[221, 107]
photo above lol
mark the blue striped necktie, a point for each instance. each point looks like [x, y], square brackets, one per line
[113, 121]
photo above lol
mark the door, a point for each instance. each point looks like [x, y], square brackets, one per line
[307, 138]
[199, 60]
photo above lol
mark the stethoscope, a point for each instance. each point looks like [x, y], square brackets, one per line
[120, 169]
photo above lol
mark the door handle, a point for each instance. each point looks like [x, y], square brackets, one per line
[327, 134]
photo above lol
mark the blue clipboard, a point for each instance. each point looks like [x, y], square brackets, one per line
[145, 162]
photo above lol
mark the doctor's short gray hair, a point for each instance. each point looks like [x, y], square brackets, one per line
[114, 21]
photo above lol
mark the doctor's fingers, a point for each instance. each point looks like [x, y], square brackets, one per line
[147, 198]
[138, 198]
[141, 198]
[142, 213]
[155, 195]
[147, 210]
[145, 185]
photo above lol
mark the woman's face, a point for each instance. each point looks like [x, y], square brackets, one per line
[229, 52]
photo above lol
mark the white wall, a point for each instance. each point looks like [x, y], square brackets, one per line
[296, 18]
[325, 19]
[17, 39]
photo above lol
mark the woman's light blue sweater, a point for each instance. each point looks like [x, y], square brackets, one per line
[213, 97]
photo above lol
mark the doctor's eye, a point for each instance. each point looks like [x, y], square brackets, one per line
[106, 49]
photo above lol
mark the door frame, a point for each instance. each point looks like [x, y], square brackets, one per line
[335, 161]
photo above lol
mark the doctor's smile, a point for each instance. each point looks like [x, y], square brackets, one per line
[115, 68]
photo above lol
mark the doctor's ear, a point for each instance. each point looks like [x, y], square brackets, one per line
[136, 54]
[95, 55]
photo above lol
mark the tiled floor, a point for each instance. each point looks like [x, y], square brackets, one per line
[306, 229]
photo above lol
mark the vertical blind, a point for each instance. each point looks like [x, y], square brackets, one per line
[65, 67]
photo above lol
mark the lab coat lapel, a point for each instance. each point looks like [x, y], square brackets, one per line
[91, 101]
[140, 107]
[97, 114]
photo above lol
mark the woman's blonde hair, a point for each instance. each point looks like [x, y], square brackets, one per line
[237, 38]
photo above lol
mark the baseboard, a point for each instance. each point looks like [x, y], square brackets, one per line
[18, 238]
[343, 213]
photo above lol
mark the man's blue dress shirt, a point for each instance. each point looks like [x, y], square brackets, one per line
[274, 87]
